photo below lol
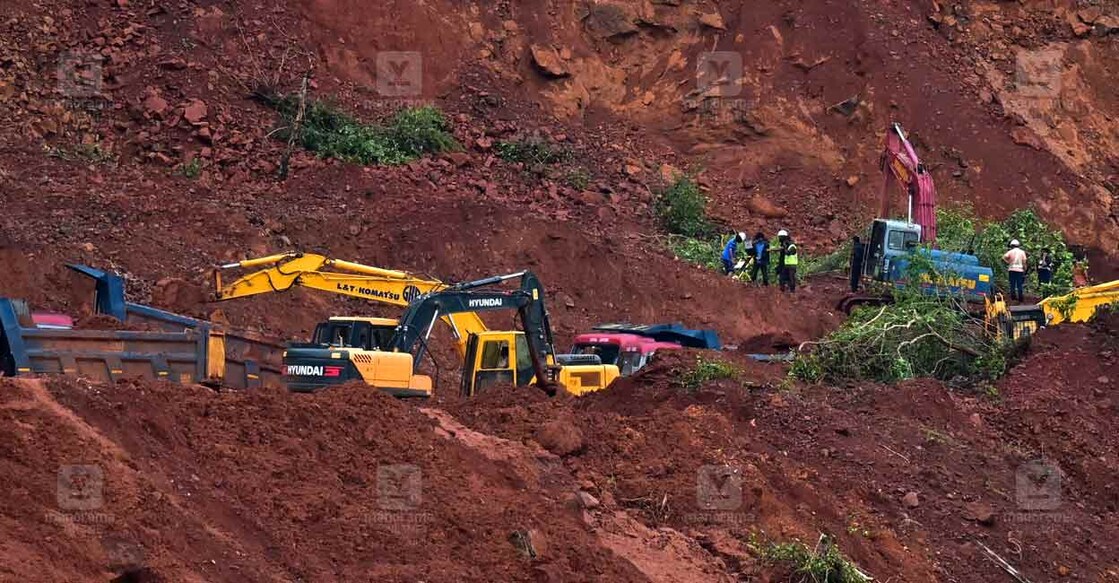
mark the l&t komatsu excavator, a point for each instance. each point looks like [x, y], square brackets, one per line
[357, 342]
[282, 272]
[492, 357]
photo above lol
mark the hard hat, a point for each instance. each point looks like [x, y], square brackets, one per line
[1015, 243]
[741, 236]
[782, 233]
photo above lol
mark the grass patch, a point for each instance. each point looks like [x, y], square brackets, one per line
[823, 564]
[331, 133]
[191, 169]
[85, 153]
[578, 178]
[682, 209]
[834, 262]
[707, 370]
[702, 252]
[535, 153]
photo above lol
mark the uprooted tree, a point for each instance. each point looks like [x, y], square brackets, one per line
[918, 335]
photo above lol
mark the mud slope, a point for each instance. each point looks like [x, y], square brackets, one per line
[911, 479]
[197, 486]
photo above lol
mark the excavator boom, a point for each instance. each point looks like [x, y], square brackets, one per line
[901, 165]
[282, 272]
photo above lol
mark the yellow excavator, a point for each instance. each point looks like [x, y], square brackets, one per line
[282, 272]
[1019, 323]
[380, 350]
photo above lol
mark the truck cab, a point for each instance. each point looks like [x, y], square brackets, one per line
[890, 247]
[630, 352]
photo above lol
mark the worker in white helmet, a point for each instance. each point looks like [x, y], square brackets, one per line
[1016, 262]
[730, 252]
[786, 261]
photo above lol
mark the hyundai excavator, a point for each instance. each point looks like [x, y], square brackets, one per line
[491, 357]
[362, 336]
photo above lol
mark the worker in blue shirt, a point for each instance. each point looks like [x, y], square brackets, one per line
[730, 251]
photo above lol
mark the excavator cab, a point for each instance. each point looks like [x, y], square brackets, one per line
[361, 333]
[889, 240]
[496, 358]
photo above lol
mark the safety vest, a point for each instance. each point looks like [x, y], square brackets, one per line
[791, 255]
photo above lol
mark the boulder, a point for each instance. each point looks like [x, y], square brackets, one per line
[548, 62]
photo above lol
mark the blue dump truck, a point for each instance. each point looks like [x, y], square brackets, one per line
[161, 345]
[889, 251]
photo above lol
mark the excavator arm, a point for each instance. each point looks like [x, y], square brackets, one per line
[418, 320]
[279, 273]
[901, 165]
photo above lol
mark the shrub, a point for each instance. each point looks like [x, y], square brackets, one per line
[578, 178]
[705, 371]
[92, 153]
[535, 153]
[682, 209]
[332, 133]
[824, 564]
[701, 252]
[958, 229]
[191, 169]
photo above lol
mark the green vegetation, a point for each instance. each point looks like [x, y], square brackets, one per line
[331, 133]
[191, 169]
[836, 261]
[682, 209]
[917, 336]
[702, 252]
[578, 178]
[824, 564]
[958, 229]
[92, 153]
[705, 371]
[535, 153]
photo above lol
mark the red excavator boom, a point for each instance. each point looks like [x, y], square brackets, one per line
[901, 165]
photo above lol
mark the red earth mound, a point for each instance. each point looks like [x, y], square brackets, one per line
[911, 479]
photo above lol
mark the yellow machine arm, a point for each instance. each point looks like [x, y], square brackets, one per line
[1080, 304]
[284, 271]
